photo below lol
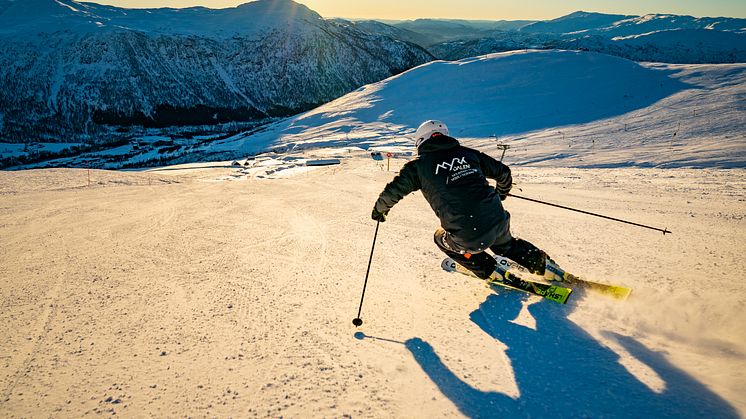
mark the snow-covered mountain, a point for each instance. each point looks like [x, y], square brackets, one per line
[671, 46]
[68, 67]
[654, 37]
[429, 32]
[685, 46]
[622, 25]
[442, 30]
[662, 22]
[49, 16]
[392, 31]
[574, 22]
[497, 41]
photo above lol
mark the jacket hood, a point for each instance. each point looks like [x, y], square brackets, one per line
[437, 143]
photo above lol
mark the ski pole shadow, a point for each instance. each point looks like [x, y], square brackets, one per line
[562, 371]
[363, 336]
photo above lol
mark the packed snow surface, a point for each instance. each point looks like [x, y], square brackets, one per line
[172, 292]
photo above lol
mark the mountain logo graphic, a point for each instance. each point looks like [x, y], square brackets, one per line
[455, 164]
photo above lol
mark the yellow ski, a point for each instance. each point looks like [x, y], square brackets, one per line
[555, 273]
[509, 280]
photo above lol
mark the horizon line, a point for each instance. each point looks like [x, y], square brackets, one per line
[403, 19]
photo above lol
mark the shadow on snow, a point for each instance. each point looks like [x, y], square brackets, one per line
[562, 371]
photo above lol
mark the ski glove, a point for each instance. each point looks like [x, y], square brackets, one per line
[503, 193]
[379, 216]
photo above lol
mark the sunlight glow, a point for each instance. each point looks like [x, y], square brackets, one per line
[474, 9]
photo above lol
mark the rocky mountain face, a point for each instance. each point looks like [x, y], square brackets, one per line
[70, 70]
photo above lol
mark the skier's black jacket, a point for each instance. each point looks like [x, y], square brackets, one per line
[453, 180]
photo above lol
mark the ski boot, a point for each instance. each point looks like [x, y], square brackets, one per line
[553, 273]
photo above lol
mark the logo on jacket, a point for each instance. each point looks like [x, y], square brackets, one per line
[454, 165]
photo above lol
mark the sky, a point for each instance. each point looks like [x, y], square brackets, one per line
[476, 9]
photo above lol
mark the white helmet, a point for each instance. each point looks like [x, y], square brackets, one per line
[427, 129]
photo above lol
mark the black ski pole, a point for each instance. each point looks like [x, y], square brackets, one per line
[357, 321]
[664, 230]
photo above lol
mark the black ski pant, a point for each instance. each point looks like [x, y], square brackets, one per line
[482, 264]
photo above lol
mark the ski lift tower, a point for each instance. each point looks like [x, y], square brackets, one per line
[500, 146]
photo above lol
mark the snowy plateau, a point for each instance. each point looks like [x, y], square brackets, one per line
[225, 285]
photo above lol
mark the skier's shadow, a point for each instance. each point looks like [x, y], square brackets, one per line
[562, 371]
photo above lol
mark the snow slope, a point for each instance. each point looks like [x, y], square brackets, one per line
[171, 293]
[557, 108]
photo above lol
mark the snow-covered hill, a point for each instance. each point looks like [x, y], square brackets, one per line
[68, 67]
[556, 108]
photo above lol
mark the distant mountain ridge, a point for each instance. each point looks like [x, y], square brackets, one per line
[69, 67]
[574, 22]
[428, 32]
[47, 16]
[684, 46]
[652, 37]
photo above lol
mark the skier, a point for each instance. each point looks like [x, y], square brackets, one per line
[453, 180]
